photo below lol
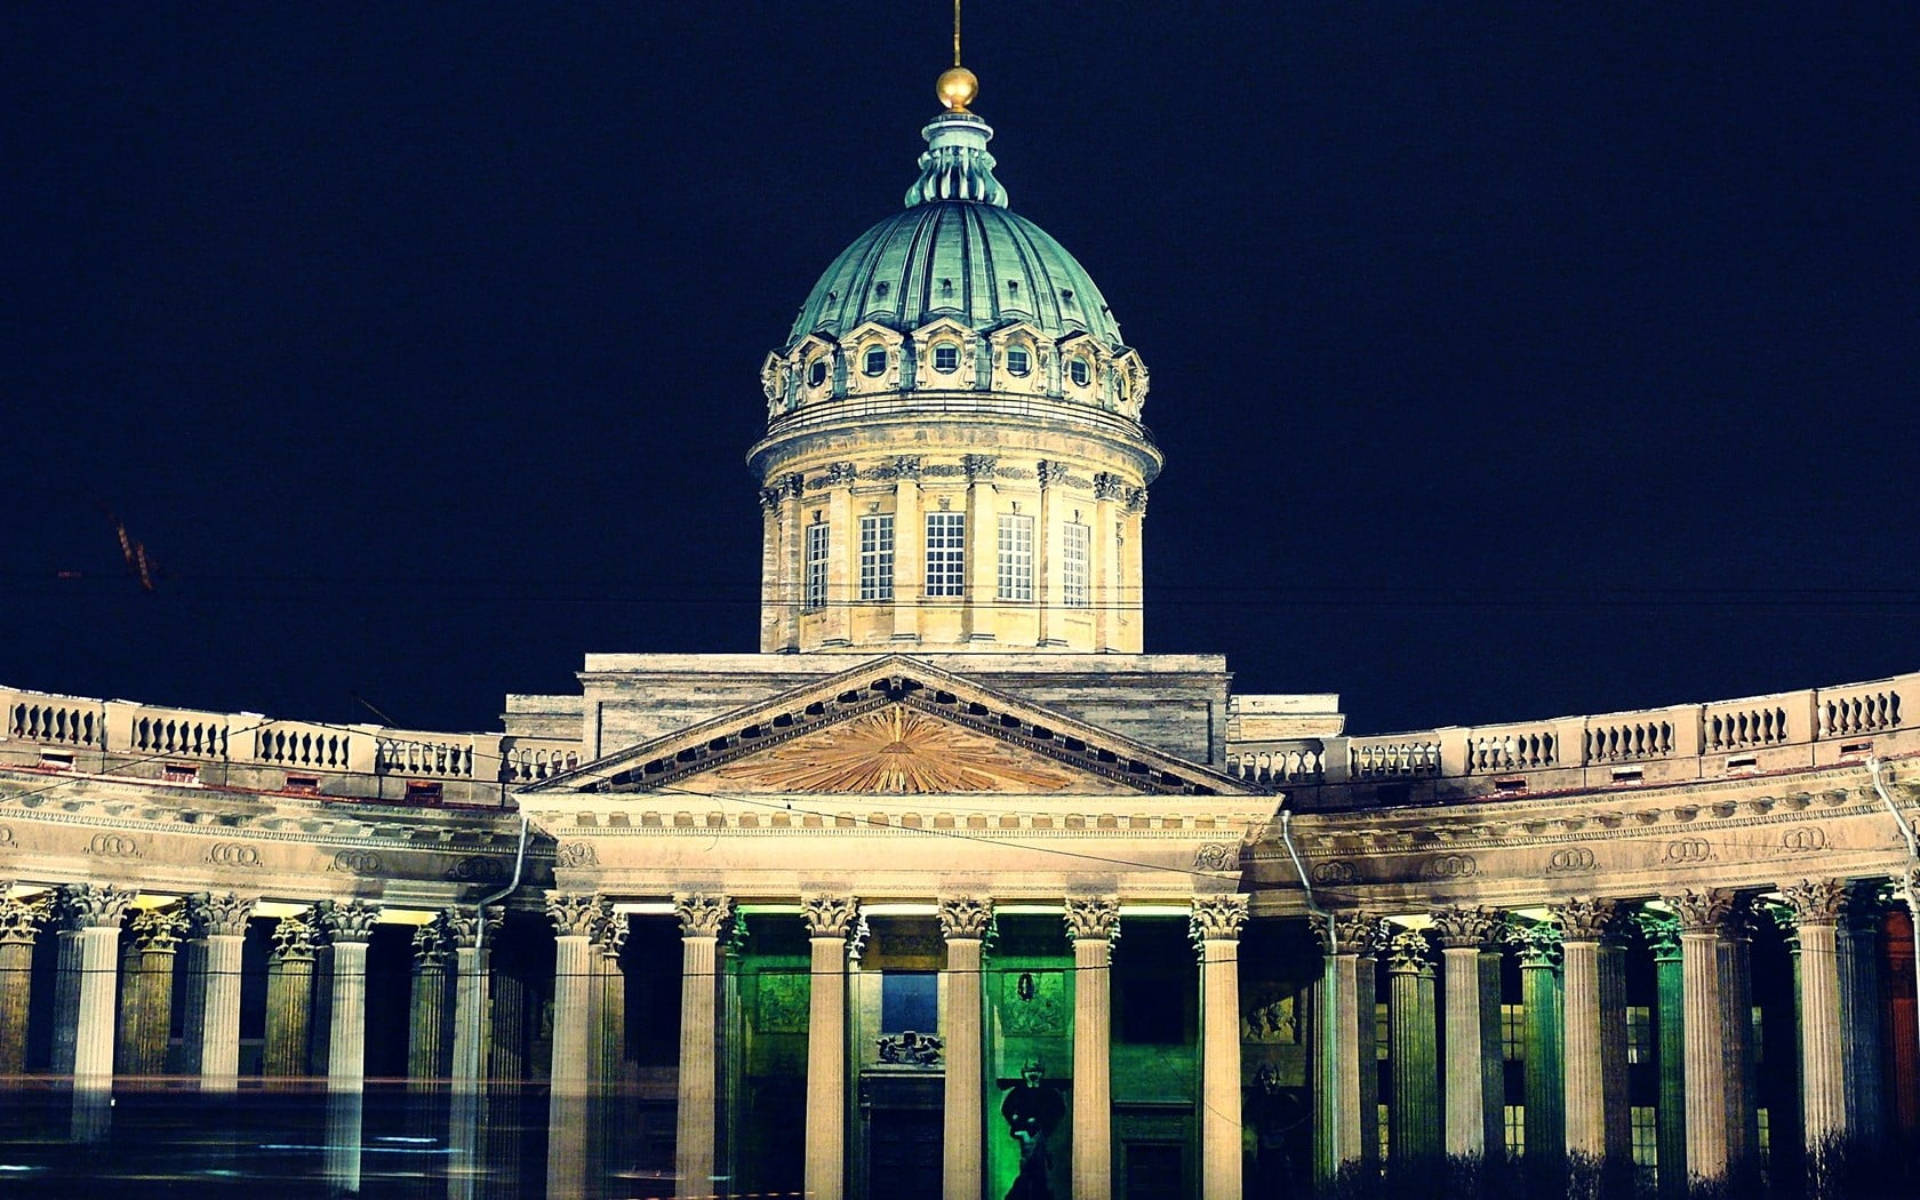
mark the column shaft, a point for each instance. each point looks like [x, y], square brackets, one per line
[698, 1115]
[963, 1141]
[1220, 1124]
[827, 1068]
[1671, 1115]
[220, 1026]
[1346, 1055]
[1823, 1077]
[1545, 1090]
[1414, 1120]
[289, 1012]
[1584, 1079]
[572, 975]
[470, 1014]
[66, 1000]
[347, 1035]
[98, 994]
[1092, 1069]
[1903, 1013]
[16, 979]
[1705, 1072]
[427, 1034]
[1616, 1118]
[1466, 1078]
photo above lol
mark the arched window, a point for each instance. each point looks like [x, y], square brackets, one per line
[1080, 371]
[1019, 362]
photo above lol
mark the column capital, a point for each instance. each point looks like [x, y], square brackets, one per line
[611, 935]
[21, 918]
[1093, 918]
[1816, 901]
[292, 940]
[211, 914]
[574, 914]
[92, 905]
[1703, 911]
[965, 918]
[1662, 932]
[1461, 928]
[702, 914]
[1586, 919]
[351, 921]
[1537, 942]
[829, 916]
[1409, 953]
[463, 928]
[157, 929]
[1218, 918]
[1348, 932]
[431, 944]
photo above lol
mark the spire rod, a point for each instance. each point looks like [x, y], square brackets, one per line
[956, 32]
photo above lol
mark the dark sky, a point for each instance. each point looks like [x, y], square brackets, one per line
[1509, 360]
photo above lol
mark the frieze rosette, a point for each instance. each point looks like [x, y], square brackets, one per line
[574, 914]
[92, 905]
[211, 914]
[1462, 928]
[1661, 931]
[351, 921]
[1093, 917]
[1586, 919]
[463, 928]
[1536, 942]
[431, 945]
[21, 918]
[1409, 953]
[611, 938]
[965, 918]
[829, 916]
[1701, 911]
[292, 939]
[157, 929]
[1358, 933]
[702, 914]
[1816, 901]
[1218, 918]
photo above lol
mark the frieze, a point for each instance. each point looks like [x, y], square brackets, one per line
[477, 868]
[702, 914]
[355, 862]
[1217, 856]
[1569, 859]
[112, 845]
[965, 917]
[829, 916]
[942, 471]
[1020, 473]
[6, 835]
[240, 855]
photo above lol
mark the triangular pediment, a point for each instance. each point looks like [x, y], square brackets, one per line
[896, 726]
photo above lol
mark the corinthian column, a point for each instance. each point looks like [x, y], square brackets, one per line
[349, 928]
[1092, 924]
[146, 1004]
[610, 940]
[221, 922]
[20, 922]
[1663, 938]
[703, 918]
[1344, 1030]
[575, 917]
[1594, 999]
[1702, 914]
[964, 921]
[829, 919]
[1413, 1122]
[470, 992]
[1817, 905]
[1545, 1090]
[1217, 921]
[1472, 996]
[428, 1015]
[289, 998]
[90, 913]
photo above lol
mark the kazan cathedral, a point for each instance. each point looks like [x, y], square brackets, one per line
[952, 889]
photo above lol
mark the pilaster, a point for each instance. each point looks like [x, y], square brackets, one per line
[829, 920]
[1217, 921]
[964, 922]
[1092, 924]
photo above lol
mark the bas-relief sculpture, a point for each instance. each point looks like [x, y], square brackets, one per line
[1032, 1110]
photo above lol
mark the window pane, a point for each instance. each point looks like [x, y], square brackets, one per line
[816, 592]
[1017, 361]
[876, 360]
[946, 553]
[1073, 566]
[1016, 558]
[909, 1000]
[876, 557]
[946, 358]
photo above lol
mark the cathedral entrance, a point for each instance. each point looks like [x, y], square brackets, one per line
[902, 1127]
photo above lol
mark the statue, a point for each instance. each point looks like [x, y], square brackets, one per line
[1032, 1111]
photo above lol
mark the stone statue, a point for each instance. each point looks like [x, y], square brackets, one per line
[1032, 1111]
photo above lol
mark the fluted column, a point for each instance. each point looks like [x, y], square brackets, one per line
[1662, 932]
[1903, 1007]
[703, 919]
[319, 1044]
[146, 1003]
[1217, 921]
[829, 920]
[289, 998]
[608, 943]
[1701, 916]
[1345, 1032]
[471, 988]
[1539, 947]
[221, 922]
[964, 921]
[1594, 1025]
[349, 928]
[1414, 1120]
[1464, 933]
[1817, 906]
[20, 922]
[1864, 1006]
[1092, 924]
[91, 914]
[1735, 951]
[429, 1018]
[575, 918]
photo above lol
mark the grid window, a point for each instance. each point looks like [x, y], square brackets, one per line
[1639, 1034]
[1018, 361]
[1073, 565]
[946, 358]
[946, 553]
[1763, 1122]
[1516, 1122]
[1380, 1035]
[816, 594]
[1646, 1137]
[1382, 1115]
[876, 557]
[1016, 558]
[1513, 1032]
[876, 363]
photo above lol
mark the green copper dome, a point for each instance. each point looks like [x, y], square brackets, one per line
[956, 252]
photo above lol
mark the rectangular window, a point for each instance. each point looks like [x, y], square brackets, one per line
[1073, 565]
[1516, 1123]
[1646, 1137]
[1016, 558]
[816, 594]
[1381, 1039]
[946, 553]
[876, 557]
[909, 1000]
[1513, 1032]
[1639, 1034]
[1763, 1124]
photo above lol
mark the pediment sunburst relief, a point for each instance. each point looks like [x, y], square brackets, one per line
[898, 751]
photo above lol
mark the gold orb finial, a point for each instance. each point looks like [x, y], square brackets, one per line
[956, 88]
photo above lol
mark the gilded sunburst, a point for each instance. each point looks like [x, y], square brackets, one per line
[898, 751]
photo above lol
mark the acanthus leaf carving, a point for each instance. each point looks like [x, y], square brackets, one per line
[1218, 918]
[1701, 911]
[829, 916]
[1409, 952]
[965, 917]
[1459, 927]
[1816, 901]
[212, 914]
[1536, 942]
[1358, 933]
[1092, 918]
[156, 930]
[92, 905]
[350, 921]
[574, 914]
[292, 939]
[1585, 919]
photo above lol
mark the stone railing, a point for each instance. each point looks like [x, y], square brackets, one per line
[1723, 739]
[121, 737]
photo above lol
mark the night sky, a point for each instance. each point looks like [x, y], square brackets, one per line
[1510, 361]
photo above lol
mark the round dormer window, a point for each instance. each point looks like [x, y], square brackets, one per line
[876, 360]
[946, 358]
[1080, 371]
[817, 372]
[1019, 362]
